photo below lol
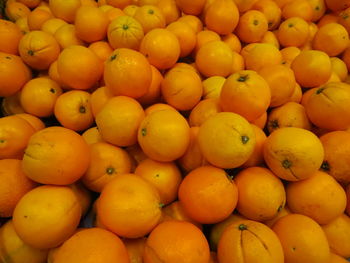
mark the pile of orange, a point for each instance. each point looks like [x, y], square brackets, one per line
[175, 131]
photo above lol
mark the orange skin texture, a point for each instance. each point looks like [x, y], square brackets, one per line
[120, 111]
[92, 245]
[158, 107]
[164, 135]
[14, 249]
[324, 203]
[337, 232]
[127, 72]
[83, 195]
[293, 32]
[66, 36]
[204, 37]
[10, 35]
[79, 67]
[233, 42]
[205, 109]
[165, 176]
[270, 38]
[271, 11]
[37, 18]
[290, 114]
[38, 49]
[299, 8]
[102, 49]
[170, 10]
[327, 106]
[221, 16]
[14, 136]
[312, 68]
[208, 195]
[125, 32]
[99, 98]
[47, 228]
[251, 202]
[252, 26]
[39, 95]
[16, 10]
[234, 140]
[171, 241]
[302, 239]
[241, 89]
[36, 123]
[52, 25]
[285, 211]
[212, 87]
[339, 68]
[154, 92]
[191, 8]
[107, 162]
[293, 161]
[247, 235]
[257, 157]
[14, 185]
[185, 35]
[297, 94]
[92, 136]
[13, 73]
[337, 259]
[337, 5]
[65, 11]
[182, 88]
[289, 54]
[57, 147]
[150, 17]
[73, 110]
[129, 206]
[261, 121]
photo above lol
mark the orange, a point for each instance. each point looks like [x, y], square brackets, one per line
[164, 176]
[102, 49]
[221, 16]
[129, 206]
[214, 59]
[66, 36]
[203, 110]
[94, 244]
[79, 67]
[55, 76]
[107, 162]
[14, 185]
[73, 110]
[234, 140]
[170, 10]
[247, 235]
[242, 89]
[130, 10]
[127, 72]
[271, 11]
[256, 158]
[125, 32]
[199, 192]
[92, 136]
[252, 26]
[46, 216]
[52, 25]
[150, 17]
[270, 38]
[204, 37]
[289, 54]
[194, 22]
[172, 241]
[181, 88]
[293, 161]
[65, 10]
[11, 105]
[120, 111]
[312, 68]
[293, 32]
[13, 249]
[191, 8]
[284, 211]
[154, 92]
[233, 42]
[16, 10]
[336, 146]
[339, 68]
[10, 34]
[158, 107]
[237, 62]
[254, 204]
[15, 133]
[118, 3]
[324, 203]
[14, 74]
[261, 121]
[297, 94]
[56, 147]
[161, 47]
[338, 232]
[337, 5]
[343, 19]
[98, 99]
[302, 239]
[35, 122]
[318, 9]
[298, 8]
[327, 106]
[212, 87]
[135, 248]
[185, 35]
[258, 55]
[290, 114]
[164, 135]
[90, 24]
[37, 18]
[39, 95]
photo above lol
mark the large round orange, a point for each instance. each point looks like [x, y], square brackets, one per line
[125, 32]
[242, 89]
[120, 111]
[199, 192]
[302, 239]
[172, 241]
[47, 215]
[161, 47]
[39, 95]
[293, 161]
[127, 72]
[10, 35]
[56, 155]
[247, 235]
[95, 244]
[79, 67]
[226, 140]
[164, 135]
[65, 10]
[13, 74]
[129, 206]
[38, 49]
[150, 17]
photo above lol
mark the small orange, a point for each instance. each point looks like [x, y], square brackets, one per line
[293, 32]
[337, 5]
[11, 105]
[37, 18]
[245, 5]
[284, 211]
[297, 94]
[270, 38]
[150, 17]
[22, 23]
[130, 10]
[271, 11]
[10, 34]
[15, 10]
[30, 3]
[318, 9]
[170, 10]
